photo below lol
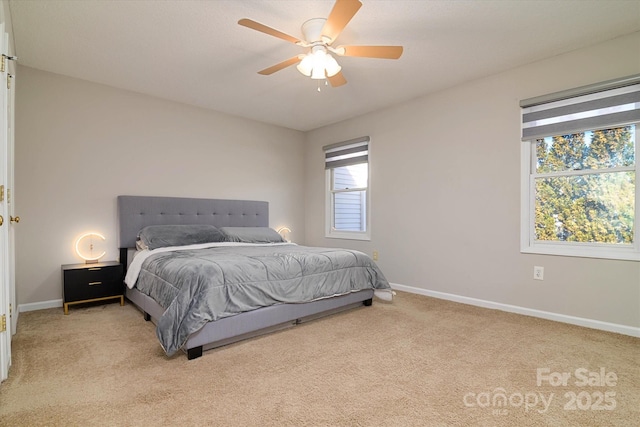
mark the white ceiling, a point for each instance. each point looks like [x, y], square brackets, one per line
[194, 52]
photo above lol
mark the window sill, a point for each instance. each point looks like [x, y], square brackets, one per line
[583, 251]
[347, 235]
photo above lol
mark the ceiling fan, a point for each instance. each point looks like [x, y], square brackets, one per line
[319, 34]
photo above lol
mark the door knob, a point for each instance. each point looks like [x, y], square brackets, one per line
[1, 220]
[14, 219]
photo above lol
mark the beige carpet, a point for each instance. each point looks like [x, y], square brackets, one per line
[416, 362]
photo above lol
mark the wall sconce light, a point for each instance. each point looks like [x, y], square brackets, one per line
[85, 247]
[285, 232]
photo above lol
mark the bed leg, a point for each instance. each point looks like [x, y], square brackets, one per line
[147, 316]
[194, 353]
[368, 302]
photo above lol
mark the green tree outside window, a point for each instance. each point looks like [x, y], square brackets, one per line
[584, 191]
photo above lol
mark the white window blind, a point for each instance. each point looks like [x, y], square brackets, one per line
[606, 104]
[352, 152]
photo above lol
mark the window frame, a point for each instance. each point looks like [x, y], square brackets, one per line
[528, 243]
[330, 231]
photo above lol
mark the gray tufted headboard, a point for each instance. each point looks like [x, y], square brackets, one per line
[136, 212]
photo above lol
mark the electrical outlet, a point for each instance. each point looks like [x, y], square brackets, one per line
[375, 255]
[538, 273]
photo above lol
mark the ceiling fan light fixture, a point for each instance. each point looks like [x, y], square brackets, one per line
[319, 63]
[306, 65]
[331, 65]
[318, 72]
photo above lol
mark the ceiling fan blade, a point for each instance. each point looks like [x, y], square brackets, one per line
[383, 52]
[337, 80]
[267, 30]
[280, 66]
[339, 17]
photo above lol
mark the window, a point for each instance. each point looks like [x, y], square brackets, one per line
[347, 183]
[580, 185]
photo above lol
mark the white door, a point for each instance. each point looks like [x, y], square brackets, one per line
[5, 292]
[10, 193]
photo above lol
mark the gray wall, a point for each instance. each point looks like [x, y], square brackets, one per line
[80, 144]
[445, 193]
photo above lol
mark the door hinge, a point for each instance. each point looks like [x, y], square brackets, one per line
[1, 193]
[3, 61]
[3, 323]
[9, 78]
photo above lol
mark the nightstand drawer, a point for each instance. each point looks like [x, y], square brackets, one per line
[85, 290]
[93, 274]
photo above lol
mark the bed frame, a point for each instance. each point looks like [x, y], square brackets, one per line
[136, 212]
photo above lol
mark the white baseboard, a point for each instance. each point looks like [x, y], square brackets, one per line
[580, 321]
[40, 305]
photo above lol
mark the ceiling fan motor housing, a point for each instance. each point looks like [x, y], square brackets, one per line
[312, 30]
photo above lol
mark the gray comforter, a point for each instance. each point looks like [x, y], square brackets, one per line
[202, 285]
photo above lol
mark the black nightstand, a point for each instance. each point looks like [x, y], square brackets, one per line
[91, 282]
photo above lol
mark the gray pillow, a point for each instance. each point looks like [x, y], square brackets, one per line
[251, 235]
[160, 236]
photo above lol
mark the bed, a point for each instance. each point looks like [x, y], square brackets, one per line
[216, 327]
